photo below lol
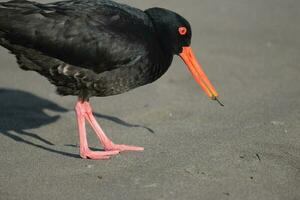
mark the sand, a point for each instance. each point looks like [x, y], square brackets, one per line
[249, 150]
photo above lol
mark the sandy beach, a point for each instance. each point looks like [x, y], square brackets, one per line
[194, 149]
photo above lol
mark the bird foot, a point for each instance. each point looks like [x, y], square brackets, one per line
[123, 147]
[98, 155]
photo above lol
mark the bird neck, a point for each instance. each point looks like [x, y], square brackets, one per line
[160, 20]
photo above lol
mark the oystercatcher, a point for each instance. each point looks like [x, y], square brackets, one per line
[89, 48]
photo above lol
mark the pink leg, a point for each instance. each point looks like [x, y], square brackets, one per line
[85, 152]
[106, 142]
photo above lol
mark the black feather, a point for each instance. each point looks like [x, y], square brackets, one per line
[90, 47]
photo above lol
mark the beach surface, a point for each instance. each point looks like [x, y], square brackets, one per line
[194, 148]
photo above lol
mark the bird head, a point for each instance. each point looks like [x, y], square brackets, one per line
[175, 34]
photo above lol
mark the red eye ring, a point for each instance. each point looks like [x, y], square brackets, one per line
[182, 30]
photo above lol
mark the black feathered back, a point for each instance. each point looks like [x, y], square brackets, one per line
[90, 47]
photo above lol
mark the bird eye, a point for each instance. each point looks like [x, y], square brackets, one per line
[182, 30]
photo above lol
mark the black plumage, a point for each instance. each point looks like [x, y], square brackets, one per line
[97, 48]
[85, 47]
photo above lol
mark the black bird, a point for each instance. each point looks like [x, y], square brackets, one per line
[90, 48]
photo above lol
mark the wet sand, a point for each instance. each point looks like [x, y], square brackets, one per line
[249, 150]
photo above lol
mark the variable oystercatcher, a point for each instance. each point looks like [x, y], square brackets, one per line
[90, 48]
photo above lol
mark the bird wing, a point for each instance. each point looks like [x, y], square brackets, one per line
[100, 35]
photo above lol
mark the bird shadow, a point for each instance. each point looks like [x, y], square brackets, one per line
[122, 122]
[21, 111]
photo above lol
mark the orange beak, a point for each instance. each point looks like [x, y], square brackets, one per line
[195, 68]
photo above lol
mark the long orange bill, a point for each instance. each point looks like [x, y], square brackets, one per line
[195, 68]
